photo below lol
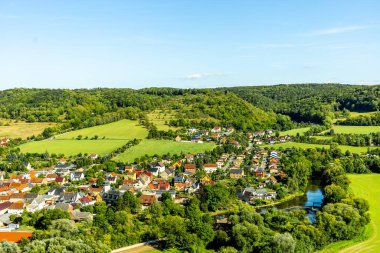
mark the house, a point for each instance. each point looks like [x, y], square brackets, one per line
[94, 156]
[236, 173]
[55, 191]
[190, 167]
[60, 180]
[154, 171]
[159, 165]
[16, 208]
[147, 200]
[86, 201]
[51, 177]
[77, 215]
[110, 197]
[178, 138]
[167, 173]
[76, 176]
[4, 207]
[29, 197]
[69, 197]
[189, 158]
[38, 181]
[216, 129]
[17, 197]
[39, 203]
[14, 236]
[210, 167]
[63, 206]
[4, 141]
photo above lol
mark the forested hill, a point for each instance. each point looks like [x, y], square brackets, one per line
[311, 102]
[251, 108]
[87, 107]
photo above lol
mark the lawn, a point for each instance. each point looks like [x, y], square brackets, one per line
[21, 129]
[356, 129]
[293, 132]
[72, 147]
[161, 147]
[119, 130]
[159, 117]
[284, 145]
[365, 186]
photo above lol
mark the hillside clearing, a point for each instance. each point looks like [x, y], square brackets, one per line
[293, 132]
[21, 129]
[119, 130]
[159, 118]
[356, 129]
[161, 147]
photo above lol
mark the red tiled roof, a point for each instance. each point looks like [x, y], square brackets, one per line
[189, 166]
[14, 236]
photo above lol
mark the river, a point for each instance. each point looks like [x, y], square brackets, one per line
[311, 201]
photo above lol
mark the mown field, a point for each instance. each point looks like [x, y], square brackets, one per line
[72, 147]
[293, 132]
[356, 129]
[159, 118]
[364, 186]
[116, 135]
[119, 130]
[161, 147]
[20, 129]
[352, 149]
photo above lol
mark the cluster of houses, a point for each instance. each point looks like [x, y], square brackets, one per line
[214, 134]
[150, 182]
[267, 137]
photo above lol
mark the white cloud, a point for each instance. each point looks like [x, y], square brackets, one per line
[337, 30]
[197, 76]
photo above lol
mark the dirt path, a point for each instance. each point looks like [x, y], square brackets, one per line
[139, 249]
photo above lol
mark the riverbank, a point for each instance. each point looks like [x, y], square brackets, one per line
[286, 199]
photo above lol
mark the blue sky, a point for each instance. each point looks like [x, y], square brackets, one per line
[187, 43]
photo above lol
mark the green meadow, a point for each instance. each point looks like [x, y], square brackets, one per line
[344, 148]
[161, 147]
[364, 186]
[72, 147]
[159, 119]
[110, 137]
[356, 129]
[119, 130]
[293, 132]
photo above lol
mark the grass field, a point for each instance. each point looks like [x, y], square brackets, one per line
[356, 114]
[356, 129]
[159, 117]
[161, 147]
[322, 137]
[116, 135]
[72, 147]
[293, 132]
[119, 130]
[20, 129]
[364, 186]
[308, 145]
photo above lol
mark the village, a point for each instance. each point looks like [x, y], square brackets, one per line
[68, 187]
